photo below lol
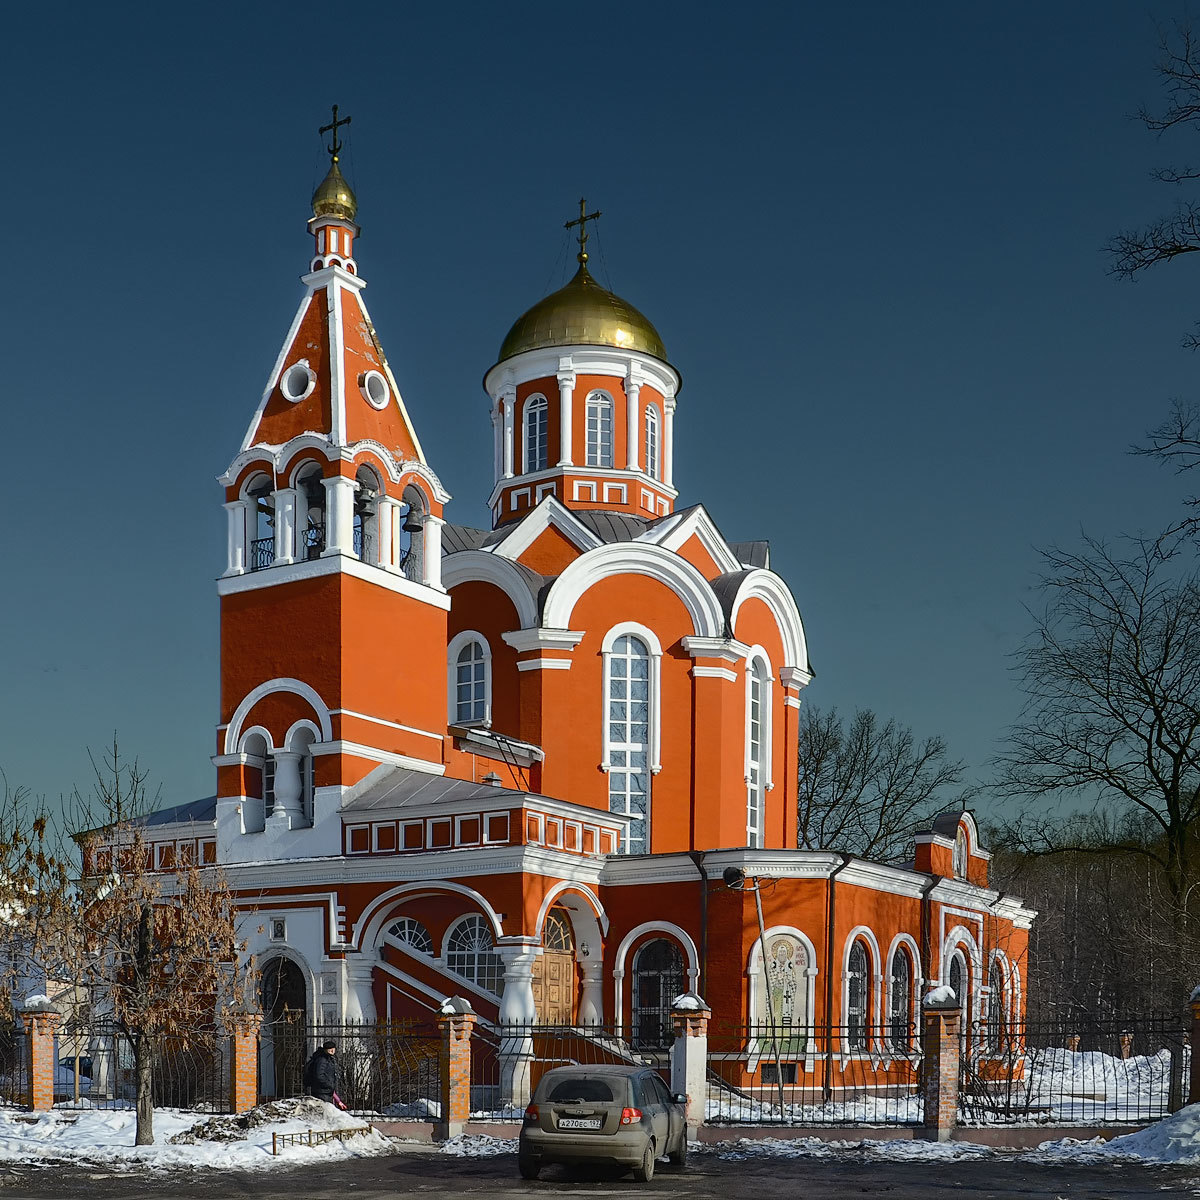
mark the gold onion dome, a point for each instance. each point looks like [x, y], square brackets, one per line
[582, 314]
[334, 196]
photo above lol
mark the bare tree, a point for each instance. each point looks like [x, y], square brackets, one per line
[869, 788]
[1168, 237]
[1111, 675]
[157, 948]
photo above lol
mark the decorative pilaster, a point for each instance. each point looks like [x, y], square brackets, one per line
[689, 1054]
[433, 551]
[591, 992]
[939, 1084]
[457, 1022]
[360, 990]
[566, 391]
[339, 515]
[633, 440]
[287, 505]
[668, 446]
[509, 402]
[235, 537]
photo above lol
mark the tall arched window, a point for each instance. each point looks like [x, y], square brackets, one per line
[997, 1017]
[657, 980]
[758, 715]
[957, 979]
[471, 953]
[857, 993]
[653, 467]
[960, 854]
[599, 430]
[470, 679]
[302, 743]
[536, 433]
[628, 738]
[900, 981]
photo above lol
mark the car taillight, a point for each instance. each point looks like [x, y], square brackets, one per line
[630, 1115]
[531, 1113]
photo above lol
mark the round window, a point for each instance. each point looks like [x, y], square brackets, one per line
[374, 389]
[297, 381]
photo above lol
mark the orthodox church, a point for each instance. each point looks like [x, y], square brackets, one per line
[516, 764]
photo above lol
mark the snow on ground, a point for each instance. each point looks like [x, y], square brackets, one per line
[106, 1136]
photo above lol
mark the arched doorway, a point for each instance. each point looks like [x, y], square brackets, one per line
[657, 980]
[554, 972]
[283, 997]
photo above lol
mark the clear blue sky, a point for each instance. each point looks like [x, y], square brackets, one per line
[869, 235]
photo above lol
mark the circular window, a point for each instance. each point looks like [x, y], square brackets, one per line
[297, 381]
[374, 389]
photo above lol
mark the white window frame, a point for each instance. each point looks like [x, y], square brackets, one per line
[903, 944]
[864, 934]
[457, 644]
[652, 439]
[758, 667]
[407, 946]
[599, 403]
[535, 405]
[445, 956]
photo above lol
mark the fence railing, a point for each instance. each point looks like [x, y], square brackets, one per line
[814, 1075]
[1059, 1072]
[14, 1067]
[389, 1068]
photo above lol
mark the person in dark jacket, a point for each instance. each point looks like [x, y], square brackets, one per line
[320, 1074]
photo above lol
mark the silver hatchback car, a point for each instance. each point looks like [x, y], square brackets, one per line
[615, 1114]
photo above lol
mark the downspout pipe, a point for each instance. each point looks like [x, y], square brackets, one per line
[830, 914]
[697, 857]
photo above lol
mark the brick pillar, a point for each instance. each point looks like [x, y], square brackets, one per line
[41, 1024]
[457, 1021]
[939, 1082]
[689, 1055]
[1194, 1079]
[243, 1061]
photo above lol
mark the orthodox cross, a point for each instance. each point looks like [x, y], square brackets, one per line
[336, 147]
[582, 220]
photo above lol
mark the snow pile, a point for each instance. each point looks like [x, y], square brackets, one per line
[688, 1002]
[243, 1141]
[941, 995]
[1174, 1139]
[37, 1000]
[478, 1145]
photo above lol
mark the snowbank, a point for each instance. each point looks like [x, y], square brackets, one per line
[183, 1139]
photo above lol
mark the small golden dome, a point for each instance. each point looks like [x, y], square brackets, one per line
[334, 197]
[582, 314]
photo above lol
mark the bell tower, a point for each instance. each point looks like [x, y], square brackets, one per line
[333, 614]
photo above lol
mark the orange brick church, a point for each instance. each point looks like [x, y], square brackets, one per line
[513, 764]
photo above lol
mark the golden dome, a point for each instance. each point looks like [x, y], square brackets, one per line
[334, 197]
[582, 314]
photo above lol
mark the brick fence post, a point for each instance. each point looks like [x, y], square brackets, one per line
[243, 1061]
[689, 1055]
[1194, 1041]
[939, 1083]
[457, 1022]
[41, 1024]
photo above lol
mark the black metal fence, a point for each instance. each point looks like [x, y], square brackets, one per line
[1063, 1072]
[814, 1075]
[508, 1060]
[14, 1067]
[389, 1068]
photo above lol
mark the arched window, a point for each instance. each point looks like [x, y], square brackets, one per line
[260, 783]
[261, 531]
[301, 743]
[310, 523]
[657, 980]
[366, 515]
[410, 934]
[599, 430]
[536, 434]
[471, 953]
[556, 934]
[653, 467]
[758, 719]
[960, 854]
[470, 679]
[900, 996]
[997, 1017]
[957, 979]
[857, 994]
[627, 738]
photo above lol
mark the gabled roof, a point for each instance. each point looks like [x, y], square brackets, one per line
[401, 787]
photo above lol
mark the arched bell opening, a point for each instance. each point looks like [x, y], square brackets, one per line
[260, 529]
[310, 522]
[413, 512]
[366, 515]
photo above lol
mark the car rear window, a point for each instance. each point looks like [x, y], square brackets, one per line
[580, 1089]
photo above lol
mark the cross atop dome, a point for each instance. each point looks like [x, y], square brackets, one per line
[334, 197]
[582, 220]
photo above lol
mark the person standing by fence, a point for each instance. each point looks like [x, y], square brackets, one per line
[320, 1075]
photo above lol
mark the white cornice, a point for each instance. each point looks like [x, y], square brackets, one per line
[330, 275]
[547, 363]
[375, 754]
[334, 564]
[728, 649]
[522, 640]
[575, 471]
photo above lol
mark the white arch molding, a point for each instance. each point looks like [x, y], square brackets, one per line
[692, 970]
[768, 587]
[863, 933]
[480, 566]
[282, 684]
[367, 930]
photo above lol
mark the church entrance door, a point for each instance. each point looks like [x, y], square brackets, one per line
[554, 973]
[283, 998]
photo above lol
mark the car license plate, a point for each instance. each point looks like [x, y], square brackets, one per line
[579, 1122]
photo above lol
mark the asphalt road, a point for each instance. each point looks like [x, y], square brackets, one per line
[433, 1176]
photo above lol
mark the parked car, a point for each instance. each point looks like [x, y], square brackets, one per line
[615, 1114]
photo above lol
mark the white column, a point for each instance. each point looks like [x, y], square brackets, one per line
[591, 992]
[497, 446]
[287, 502]
[633, 432]
[288, 788]
[385, 519]
[668, 439]
[432, 547]
[510, 404]
[339, 515]
[237, 513]
[566, 389]
[360, 995]
[517, 1015]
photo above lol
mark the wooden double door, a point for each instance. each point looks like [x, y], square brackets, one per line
[554, 972]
